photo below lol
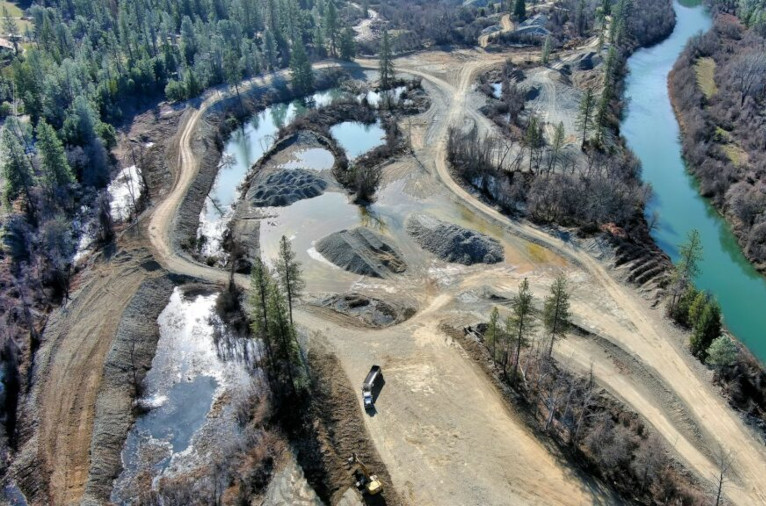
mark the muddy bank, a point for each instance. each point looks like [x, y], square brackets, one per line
[362, 251]
[369, 311]
[132, 350]
[453, 243]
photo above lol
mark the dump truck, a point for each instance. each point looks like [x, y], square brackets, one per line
[370, 383]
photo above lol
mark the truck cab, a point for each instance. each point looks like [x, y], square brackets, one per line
[367, 396]
[372, 383]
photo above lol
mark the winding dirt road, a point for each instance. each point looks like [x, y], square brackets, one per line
[505, 26]
[622, 317]
[643, 337]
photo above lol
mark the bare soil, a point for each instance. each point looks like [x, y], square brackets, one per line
[442, 429]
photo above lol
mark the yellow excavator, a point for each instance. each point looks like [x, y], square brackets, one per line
[364, 479]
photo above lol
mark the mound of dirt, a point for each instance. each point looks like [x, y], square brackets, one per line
[453, 243]
[285, 187]
[371, 312]
[362, 251]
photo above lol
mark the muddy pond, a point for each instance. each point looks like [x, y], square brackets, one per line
[189, 375]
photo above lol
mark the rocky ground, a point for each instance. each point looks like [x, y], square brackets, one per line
[453, 243]
[285, 187]
[362, 251]
[369, 311]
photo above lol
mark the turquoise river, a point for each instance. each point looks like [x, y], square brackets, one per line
[652, 131]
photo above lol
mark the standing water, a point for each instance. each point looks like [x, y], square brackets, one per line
[652, 131]
[188, 376]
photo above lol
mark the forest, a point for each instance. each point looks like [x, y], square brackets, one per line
[719, 88]
[83, 70]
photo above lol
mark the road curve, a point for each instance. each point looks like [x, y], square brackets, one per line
[647, 342]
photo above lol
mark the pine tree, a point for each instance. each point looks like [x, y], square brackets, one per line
[520, 10]
[282, 335]
[584, 121]
[331, 27]
[522, 320]
[556, 312]
[387, 71]
[300, 67]
[687, 268]
[55, 167]
[16, 169]
[289, 270]
[347, 45]
[547, 48]
[559, 136]
[706, 329]
[493, 332]
[260, 286]
[11, 28]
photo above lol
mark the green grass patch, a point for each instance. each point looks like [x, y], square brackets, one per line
[736, 154]
[705, 70]
[13, 9]
[15, 12]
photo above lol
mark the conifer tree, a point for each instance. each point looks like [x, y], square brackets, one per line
[556, 311]
[585, 115]
[300, 67]
[522, 320]
[55, 167]
[289, 270]
[16, 169]
[387, 71]
[520, 10]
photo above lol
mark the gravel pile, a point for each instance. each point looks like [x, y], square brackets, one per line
[369, 311]
[286, 187]
[362, 251]
[453, 243]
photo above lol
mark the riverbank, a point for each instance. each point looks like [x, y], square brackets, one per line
[719, 147]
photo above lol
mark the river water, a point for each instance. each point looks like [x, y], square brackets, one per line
[652, 131]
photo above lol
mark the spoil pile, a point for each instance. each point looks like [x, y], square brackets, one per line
[362, 251]
[286, 187]
[453, 243]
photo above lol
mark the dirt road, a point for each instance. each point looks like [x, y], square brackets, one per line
[631, 324]
[78, 339]
[444, 432]
[505, 26]
[639, 331]
[529, 473]
[440, 445]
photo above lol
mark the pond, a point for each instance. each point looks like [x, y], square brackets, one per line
[187, 377]
[357, 138]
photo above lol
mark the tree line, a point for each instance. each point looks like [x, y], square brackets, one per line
[587, 423]
[89, 65]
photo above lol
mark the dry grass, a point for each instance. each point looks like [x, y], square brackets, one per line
[15, 11]
[736, 154]
[705, 70]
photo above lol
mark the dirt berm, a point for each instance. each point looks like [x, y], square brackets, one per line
[362, 251]
[453, 243]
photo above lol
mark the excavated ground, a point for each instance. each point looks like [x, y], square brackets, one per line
[442, 430]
